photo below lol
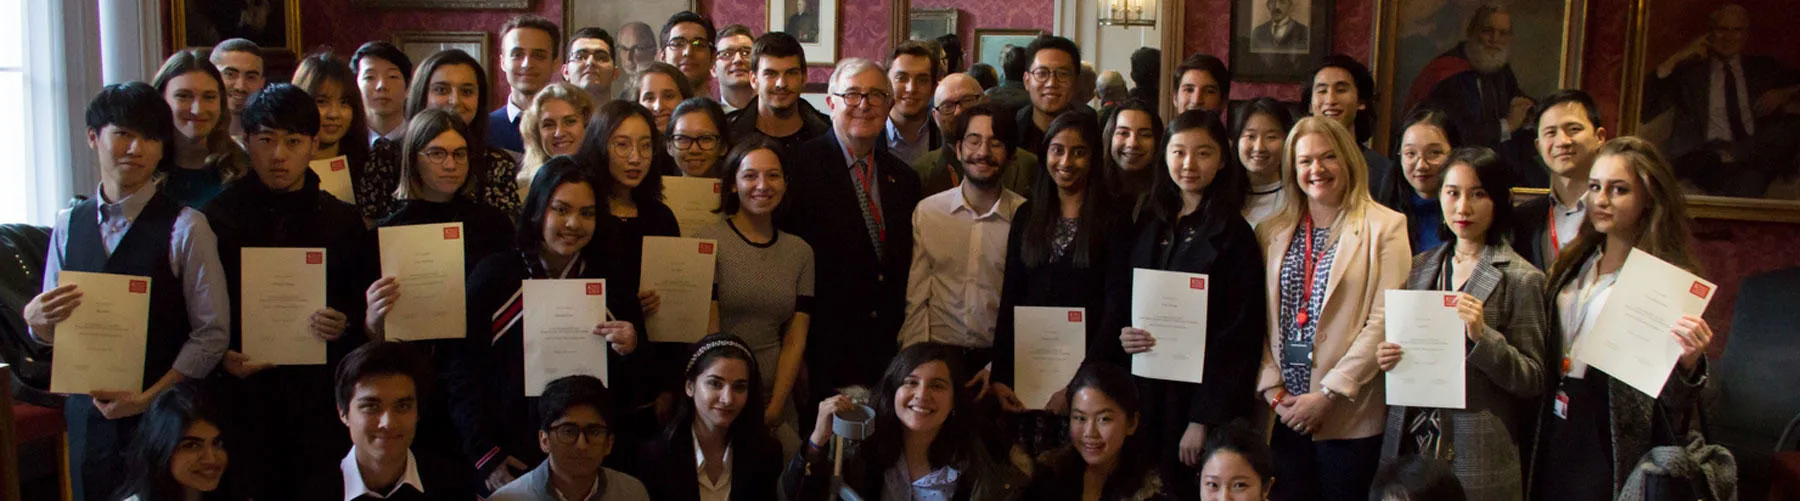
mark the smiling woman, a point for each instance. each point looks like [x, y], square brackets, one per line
[179, 452]
[204, 156]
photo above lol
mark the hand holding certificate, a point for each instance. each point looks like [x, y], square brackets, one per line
[693, 200]
[1431, 374]
[1631, 338]
[1048, 346]
[560, 316]
[282, 288]
[427, 262]
[334, 178]
[1171, 305]
[101, 345]
[680, 270]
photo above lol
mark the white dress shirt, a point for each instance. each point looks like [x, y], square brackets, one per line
[397, 134]
[1718, 126]
[1567, 219]
[958, 265]
[353, 480]
[710, 490]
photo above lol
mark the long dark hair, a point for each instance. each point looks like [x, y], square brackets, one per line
[734, 161]
[1134, 462]
[1117, 175]
[420, 89]
[704, 106]
[558, 171]
[1398, 193]
[748, 434]
[420, 130]
[220, 149]
[1497, 180]
[595, 151]
[955, 443]
[1223, 197]
[1237, 438]
[1276, 111]
[322, 67]
[1666, 229]
[1045, 211]
[158, 434]
[1416, 477]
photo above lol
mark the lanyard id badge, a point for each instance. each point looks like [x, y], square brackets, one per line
[1561, 406]
[1297, 353]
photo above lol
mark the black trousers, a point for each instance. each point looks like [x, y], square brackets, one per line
[96, 449]
[1334, 470]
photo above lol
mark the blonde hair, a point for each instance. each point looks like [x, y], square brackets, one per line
[535, 156]
[1355, 174]
[1665, 227]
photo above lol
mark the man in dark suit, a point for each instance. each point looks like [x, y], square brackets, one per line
[379, 389]
[778, 112]
[1733, 129]
[853, 201]
[1281, 33]
[530, 50]
[1569, 136]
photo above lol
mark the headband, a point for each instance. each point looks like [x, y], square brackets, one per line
[722, 343]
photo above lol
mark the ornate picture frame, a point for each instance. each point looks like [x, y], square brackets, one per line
[444, 4]
[813, 22]
[273, 24]
[1260, 52]
[421, 44]
[991, 43]
[927, 24]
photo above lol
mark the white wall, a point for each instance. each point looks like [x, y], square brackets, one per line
[1108, 47]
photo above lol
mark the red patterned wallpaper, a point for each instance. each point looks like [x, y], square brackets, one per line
[980, 14]
[862, 29]
[1733, 250]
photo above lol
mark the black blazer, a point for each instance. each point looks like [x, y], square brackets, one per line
[860, 298]
[1531, 229]
[443, 481]
[1055, 283]
[666, 465]
[1687, 89]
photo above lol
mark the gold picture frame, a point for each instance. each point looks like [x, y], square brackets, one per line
[421, 44]
[189, 25]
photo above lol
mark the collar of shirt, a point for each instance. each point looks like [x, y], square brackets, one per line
[512, 112]
[353, 481]
[895, 137]
[593, 491]
[938, 485]
[1564, 210]
[850, 159]
[1003, 207]
[1736, 63]
[129, 208]
[724, 483]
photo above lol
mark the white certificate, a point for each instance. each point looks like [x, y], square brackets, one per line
[680, 270]
[1425, 325]
[1171, 305]
[693, 200]
[282, 288]
[427, 260]
[101, 345]
[560, 316]
[1632, 338]
[1048, 346]
[334, 177]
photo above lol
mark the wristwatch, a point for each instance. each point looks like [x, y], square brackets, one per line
[1331, 394]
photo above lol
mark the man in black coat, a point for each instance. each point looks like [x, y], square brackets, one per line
[853, 202]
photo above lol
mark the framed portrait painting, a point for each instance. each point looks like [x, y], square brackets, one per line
[1278, 40]
[927, 24]
[1717, 87]
[991, 44]
[445, 4]
[419, 45]
[273, 24]
[813, 22]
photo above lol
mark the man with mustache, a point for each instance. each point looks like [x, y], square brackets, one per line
[240, 63]
[913, 72]
[687, 44]
[590, 64]
[1050, 80]
[1281, 33]
[853, 201]
[959, 243]
[942, 169]
[731, 67]
[528, 57]
[778, 112]
[1474, 82]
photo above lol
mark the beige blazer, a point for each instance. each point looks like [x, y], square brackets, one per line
[1373, 255]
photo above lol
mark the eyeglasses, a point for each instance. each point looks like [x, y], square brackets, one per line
[596, 56]
[1045, 74]
[734, 53]
[624, 147]
[568, 433]
[695, 45]
[876, 98]
[973, 141]
[952, 107]
[706, 142]
[438, 155]
[645, 49]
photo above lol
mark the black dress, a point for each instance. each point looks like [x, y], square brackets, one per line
[618, 248]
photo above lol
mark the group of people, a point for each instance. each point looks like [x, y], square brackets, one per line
[870, 260]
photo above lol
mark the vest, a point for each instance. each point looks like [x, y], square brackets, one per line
[143, 251]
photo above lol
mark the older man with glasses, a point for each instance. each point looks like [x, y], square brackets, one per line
[940, 169]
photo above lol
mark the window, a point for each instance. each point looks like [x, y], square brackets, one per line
[34, 138]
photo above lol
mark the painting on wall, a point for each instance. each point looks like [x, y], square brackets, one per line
[1278, 40]
[419, 45]
[1717, 88]
[991, 44]
[272, 24]
[813, 22]
[927, 24]
[446, 4]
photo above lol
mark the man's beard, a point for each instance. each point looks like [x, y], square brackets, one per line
[990, 181]
[784, 112]
[1488, 60]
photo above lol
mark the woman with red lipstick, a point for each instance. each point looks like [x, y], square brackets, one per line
[1594, 429]
[1106, 458]
[1426, 139]
[1192, 224]
[925, 443]
[1329, 256]
[554, 124]
[332, 84]
[487, 386]
[205, 157]
[179, 453]
[1500, 298]
[717, 447]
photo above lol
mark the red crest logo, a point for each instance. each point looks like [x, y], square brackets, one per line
[596, 288]
[1197, 283]
[1700, 290]
[140, 286]
[338, 165]
[706, 247]
[1450, 300]
[452, 233]
[315, 257]
[1074, 316]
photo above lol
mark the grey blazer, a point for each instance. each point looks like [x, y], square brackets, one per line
[1505, 373]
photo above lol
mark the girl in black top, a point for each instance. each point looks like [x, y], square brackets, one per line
[1193, 223]
[717, 442]
[343, 129]
[487, 385]
[179, 453]
[1106, 458]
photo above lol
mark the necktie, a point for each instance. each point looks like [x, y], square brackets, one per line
[1732, 114]
[861, 175]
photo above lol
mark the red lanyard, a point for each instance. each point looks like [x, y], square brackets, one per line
[1309, 262]
[1555, 243]
[868, 188]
